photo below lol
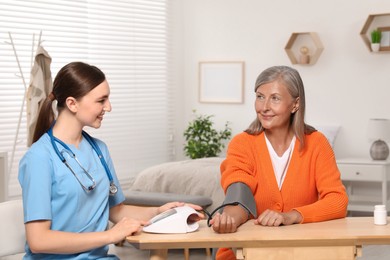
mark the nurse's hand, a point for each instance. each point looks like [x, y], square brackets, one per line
[124, 228]
[175, 204]
[170, 205]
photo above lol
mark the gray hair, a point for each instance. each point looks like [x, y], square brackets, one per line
[292, 80]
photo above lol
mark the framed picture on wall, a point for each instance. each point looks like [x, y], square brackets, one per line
[221, 81]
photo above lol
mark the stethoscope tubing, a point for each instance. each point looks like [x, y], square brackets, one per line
[95, 147]
[99, 153]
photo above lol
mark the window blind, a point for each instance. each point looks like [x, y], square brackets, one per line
[128, 40]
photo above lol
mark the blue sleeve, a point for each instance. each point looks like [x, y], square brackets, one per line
[35, 178]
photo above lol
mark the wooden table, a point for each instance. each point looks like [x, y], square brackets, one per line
[335, 239]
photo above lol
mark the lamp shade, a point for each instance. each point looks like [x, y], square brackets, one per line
[378, 129]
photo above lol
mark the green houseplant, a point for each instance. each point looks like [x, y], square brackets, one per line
[376, 36]
[202, 140]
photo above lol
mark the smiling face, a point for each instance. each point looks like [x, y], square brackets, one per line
[91, 107]
[274, 105]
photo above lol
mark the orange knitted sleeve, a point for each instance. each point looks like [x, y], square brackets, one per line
[239, 165]
[319, 160]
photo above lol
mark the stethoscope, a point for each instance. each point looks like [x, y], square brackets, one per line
[113, 188]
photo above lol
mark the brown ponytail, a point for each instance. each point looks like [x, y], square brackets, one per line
[45, 118]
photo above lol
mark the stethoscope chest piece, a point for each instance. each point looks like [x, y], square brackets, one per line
[113, 188]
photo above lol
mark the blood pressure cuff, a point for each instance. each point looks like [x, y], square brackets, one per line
[239, 193]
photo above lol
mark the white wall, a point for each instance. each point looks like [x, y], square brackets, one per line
[347, 86]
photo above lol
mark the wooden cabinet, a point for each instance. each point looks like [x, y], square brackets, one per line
[366, 182]
[304, 48]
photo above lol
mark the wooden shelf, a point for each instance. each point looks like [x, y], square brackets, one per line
[376, 21]
[310, 40]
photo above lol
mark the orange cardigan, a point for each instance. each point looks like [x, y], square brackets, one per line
[312, 185]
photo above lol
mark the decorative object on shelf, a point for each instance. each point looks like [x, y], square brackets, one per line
[381, 23]
[307, 41]
[376, 36]
[305, 57]
[379, 131]
[202, 139]
[221, 81]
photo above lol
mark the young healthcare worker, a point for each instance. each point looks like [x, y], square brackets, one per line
[280, 170]
[70, 189]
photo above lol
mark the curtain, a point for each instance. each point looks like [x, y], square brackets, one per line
[129, 40]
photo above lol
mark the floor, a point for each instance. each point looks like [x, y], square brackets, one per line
[375, 253]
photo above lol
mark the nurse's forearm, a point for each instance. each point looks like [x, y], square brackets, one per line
[43, 240]
[140, 213]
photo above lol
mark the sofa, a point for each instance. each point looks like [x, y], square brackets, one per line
[197, 179]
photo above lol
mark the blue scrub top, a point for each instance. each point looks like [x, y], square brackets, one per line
[51, 192]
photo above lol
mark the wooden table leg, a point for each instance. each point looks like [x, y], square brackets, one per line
[186, 254]
[158, 254]
[239, 253]
[359, 251]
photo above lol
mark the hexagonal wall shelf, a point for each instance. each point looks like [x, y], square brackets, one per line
[304, 48]
[380, 22]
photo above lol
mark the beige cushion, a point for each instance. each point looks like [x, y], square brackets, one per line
[191, 177]
[147, 198]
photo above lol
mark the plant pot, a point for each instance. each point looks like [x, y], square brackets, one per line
[375, 47]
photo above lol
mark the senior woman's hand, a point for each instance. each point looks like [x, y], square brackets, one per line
[273, 218]
[230, 219]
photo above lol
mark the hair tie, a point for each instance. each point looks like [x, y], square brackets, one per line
[51, 96]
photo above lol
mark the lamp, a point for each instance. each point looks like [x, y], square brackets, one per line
[379, 131]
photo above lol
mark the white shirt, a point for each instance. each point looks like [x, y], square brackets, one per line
[280, 163]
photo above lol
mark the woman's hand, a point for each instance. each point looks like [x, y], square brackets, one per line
[224, 223]
[125, 227]
[230, 219]
[273, 218]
